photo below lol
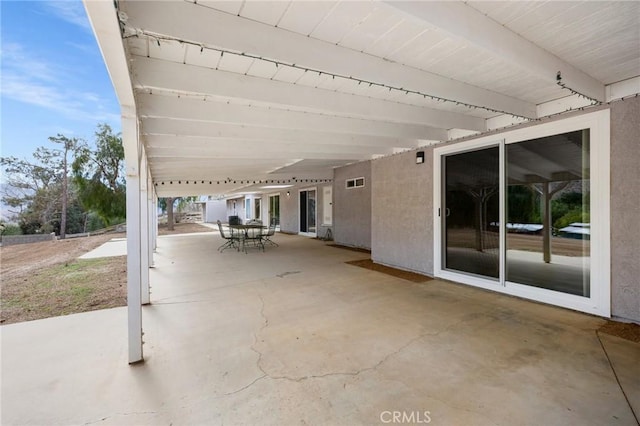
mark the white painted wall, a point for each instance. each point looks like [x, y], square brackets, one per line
[215, 210]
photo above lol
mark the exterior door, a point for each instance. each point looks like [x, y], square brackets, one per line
[471, 238]
[274, 209]
[528, 215]
[327, 206]
[307, 213]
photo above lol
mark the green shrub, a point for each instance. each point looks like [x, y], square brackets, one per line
[576, 215]
[11, 229]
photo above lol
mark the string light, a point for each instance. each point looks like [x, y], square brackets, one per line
[248, 182]
[560, 83]
[158, 37]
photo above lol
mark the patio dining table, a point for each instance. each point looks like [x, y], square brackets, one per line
[248, 232]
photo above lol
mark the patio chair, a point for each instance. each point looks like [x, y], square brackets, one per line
[270, 233]
[253, 236]
[230, 242]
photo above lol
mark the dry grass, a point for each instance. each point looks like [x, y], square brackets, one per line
[183, 228]
[65, 288]
[46, 279]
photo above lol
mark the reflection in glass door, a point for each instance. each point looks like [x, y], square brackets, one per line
[529, 215]
[548, 221]
[308, 212]
[471, 201]
[547, 225]
[274, 209]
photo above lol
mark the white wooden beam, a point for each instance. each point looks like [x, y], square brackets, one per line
[151, 213]
[102, 15]
[192, 153]
[157, 74]
[211, 131]
[189, 21]
[184, 108]
[198, 171]
[463, 21]
[623, 89]
[134, 292]
[155, 219]
[145, 298]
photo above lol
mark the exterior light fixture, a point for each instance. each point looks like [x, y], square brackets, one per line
[419, 157]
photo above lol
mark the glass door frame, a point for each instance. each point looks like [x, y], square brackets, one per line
[308, 234]
[270, 213]
[599, 301]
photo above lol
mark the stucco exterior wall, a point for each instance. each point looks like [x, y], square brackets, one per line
[352, 207]
[215, 210]
[235, 207]
[402, 212]
[289, 208]
[625, 209]
[402, 209]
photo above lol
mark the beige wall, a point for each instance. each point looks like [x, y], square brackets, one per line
[625, 209]
[402, 212]
[289, 207]
[402, 209]
[352, 207]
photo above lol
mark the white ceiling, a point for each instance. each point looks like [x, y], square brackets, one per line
[244, 91]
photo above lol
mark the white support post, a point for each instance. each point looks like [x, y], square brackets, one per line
[144, 231]
[155, 221]
[151, 222]
[134, 305]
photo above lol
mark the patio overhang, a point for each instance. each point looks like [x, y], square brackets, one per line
[221, 97]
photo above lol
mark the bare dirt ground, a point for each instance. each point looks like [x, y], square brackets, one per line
[559, 246]
[46, 279]
[21, 259]
[183, 228]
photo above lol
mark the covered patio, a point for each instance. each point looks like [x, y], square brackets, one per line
[295, 335]
[294, 100]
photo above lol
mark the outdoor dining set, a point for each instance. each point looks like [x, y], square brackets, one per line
[241, 236]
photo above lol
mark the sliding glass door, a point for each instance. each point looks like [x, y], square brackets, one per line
[307, 217]
[274, 210]
[528, 216]
[548, 221]
[471, 208]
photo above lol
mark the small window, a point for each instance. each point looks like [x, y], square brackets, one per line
[355, 183]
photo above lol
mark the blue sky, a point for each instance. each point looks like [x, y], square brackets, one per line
[53, 79]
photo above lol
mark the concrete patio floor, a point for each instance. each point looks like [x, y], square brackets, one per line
[295, 336]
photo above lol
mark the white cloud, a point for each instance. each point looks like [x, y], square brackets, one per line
[16, 60]
[36, 82]
[71, 11]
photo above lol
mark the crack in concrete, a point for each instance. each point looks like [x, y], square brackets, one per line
[266, 375]
[366, 369]
[246, 386]
[265, 323]
[284, 274]
[120, 414]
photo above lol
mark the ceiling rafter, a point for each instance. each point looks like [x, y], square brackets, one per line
[233, 147]
[190, 79]
[463, 21]
[197, 109]
[211, 131]
[194, 23]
